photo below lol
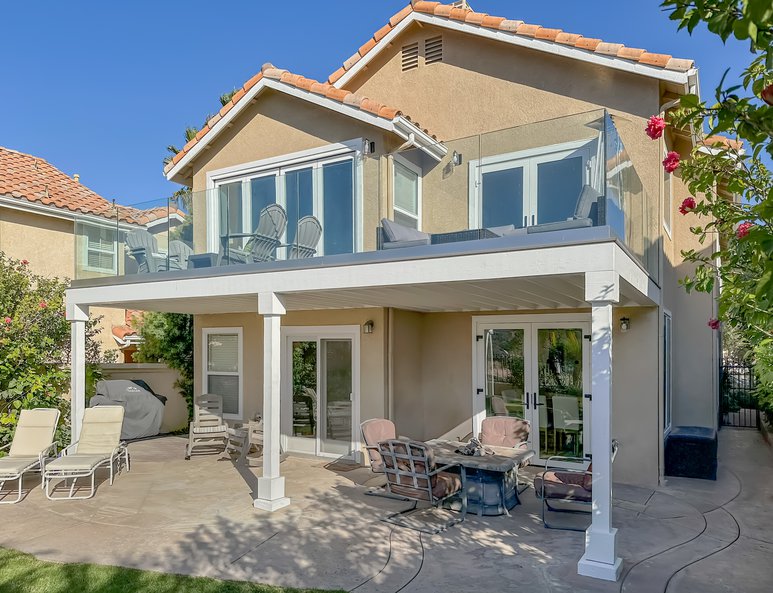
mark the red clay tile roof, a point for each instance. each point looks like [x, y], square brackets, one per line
[518, 28]
[322, 89]
[722, 142]
[32, 179]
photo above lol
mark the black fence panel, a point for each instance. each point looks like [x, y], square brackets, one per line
[738, 404]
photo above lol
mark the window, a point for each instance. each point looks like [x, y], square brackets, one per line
[100, 247]
[667, 381]
[324, 188]
[407, 193]
[532, 187]
[668, 200]
[223, 367]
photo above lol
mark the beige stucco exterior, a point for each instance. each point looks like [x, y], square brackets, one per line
[485, 98]
[49, 244]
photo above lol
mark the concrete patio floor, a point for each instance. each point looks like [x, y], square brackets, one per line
[196, 517]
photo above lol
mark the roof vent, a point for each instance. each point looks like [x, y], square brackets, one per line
[433, 50]
[77, 178]
[410, 56]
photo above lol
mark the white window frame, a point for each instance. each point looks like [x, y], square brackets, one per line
[314, 158]
[205, 373]
[403, 162]
[87, 249]
[668, 370]
[528, 159]
[668, 201]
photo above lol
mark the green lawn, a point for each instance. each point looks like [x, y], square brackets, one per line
[23, 573]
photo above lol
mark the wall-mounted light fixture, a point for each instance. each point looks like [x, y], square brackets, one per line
[625, 324]
[456, 159]
[369, 147]
[367, 327]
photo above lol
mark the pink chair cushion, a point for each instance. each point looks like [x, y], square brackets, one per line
[373, 432]
[564, 486]
[504, 431]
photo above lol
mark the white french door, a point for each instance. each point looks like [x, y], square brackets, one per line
[538, 370]
[320, 391]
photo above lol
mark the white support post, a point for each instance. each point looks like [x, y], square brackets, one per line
[77, 315]
[600, 560]
[271, 486]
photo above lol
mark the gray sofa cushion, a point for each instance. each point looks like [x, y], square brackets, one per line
[397, 232]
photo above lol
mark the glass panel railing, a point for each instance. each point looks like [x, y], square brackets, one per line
[553, 176]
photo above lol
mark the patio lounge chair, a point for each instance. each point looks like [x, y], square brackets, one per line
[99, 445]
[395, 235]
[566, 486]
[373, 432]
[411, 472]
[498, 431]
[208, 428]
[262, 244]
[33, 442]
[143, 248]
[306, 238]
[582, 213]
[179, 252]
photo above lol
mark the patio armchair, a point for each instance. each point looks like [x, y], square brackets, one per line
[261, 245]
[373, 432]
[509, 432]
[99, 445]
[208, 428]
[306, 238]
[498, 406]
[412, 473]
[143, 248]
[179, 252]
[33, 443]
[394, 235]
[563, 486]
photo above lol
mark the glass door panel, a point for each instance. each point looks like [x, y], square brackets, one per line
[502, 197]
[560, 391]
[559, 184]
[262, 193]
[335, 414]
[505, 372]
[299, 198]
[304, 396]
[338, 207]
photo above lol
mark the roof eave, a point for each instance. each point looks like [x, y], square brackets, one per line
[673, 76]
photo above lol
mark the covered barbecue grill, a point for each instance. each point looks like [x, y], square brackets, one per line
[144, 410]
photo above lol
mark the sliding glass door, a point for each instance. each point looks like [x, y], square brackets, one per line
[538, 371]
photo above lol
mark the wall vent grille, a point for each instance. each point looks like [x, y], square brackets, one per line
[410, 56]
[433, 50]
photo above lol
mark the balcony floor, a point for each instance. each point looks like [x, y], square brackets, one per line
[196, 517]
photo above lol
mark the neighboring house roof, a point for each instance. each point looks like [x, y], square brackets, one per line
[545, 39]
[722, 142]
[28, 178]
[317, 92]
[126, 335]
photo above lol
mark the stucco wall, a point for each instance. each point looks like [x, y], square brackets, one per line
[161, 379]
[48, 243]
[372, 354]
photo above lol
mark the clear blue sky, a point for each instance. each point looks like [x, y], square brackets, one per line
[100, 88]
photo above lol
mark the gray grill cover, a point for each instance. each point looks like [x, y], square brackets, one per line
[143, 410]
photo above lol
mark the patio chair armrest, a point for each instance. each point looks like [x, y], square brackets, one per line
[437, 470]
[8, 446]
[563, 459]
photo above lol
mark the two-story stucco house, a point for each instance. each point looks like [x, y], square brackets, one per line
[476, 223]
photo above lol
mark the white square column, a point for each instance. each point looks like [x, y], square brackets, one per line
[600, 560]
[77, 315]
[271, 486]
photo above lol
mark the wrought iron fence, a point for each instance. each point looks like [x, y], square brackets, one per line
[738, 405]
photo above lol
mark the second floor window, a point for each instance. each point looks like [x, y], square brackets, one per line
[407, 194]
[99, 248]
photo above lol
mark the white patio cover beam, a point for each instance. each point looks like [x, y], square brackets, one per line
[77, 316]
[602, 290]
[271, 486]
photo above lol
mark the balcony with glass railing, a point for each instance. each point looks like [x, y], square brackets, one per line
[551, 179]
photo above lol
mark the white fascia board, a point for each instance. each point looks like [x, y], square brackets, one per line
[26, 206]
[632, 272]
[571, 259]
[423, 141]
[521, 41]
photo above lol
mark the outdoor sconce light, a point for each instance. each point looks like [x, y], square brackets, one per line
[369, 147]
[456, 159]
[367, 327]
[625, 324]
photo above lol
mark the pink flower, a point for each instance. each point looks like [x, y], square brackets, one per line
[25, 262]
[655, 127]
[687, 206]
[7, 320]
[42, 304]
[671, 162]
[713, 323]
[743, 229]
